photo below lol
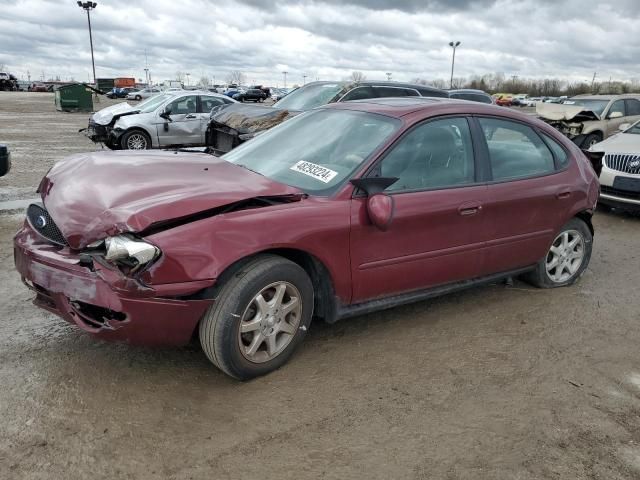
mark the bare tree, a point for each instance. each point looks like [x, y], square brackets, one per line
[180, 76]
[357, 77]
[204, 81]
[236, 77]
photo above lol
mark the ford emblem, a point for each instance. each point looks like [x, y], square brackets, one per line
[41, 221]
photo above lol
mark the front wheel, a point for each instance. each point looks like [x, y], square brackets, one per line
[567, 258]
[259, 318]
[591, 140]
[138, 97]
[135, 140]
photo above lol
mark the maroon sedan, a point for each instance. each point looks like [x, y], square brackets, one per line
[337, 212]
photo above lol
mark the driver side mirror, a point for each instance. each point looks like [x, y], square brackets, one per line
[380, 206]
[166, 114]
[613, 115]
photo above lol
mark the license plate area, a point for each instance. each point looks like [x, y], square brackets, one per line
[627, 184]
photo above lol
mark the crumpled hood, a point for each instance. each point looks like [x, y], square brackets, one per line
[104, 116]
[95, 195]
[247, 119]
[557, 112]
[620, 143]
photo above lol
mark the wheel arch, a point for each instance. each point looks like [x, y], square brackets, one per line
[325, 305]
[586, 216]
[138, 128]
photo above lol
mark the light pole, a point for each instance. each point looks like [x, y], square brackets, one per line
[88, 6]
[285, 78]
[304, 79]
[388, 74]
[453, 45]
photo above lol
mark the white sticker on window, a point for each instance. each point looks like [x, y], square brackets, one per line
[316, 171]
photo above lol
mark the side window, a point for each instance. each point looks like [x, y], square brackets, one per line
[515, 150]
[183, 105]
[390, 92]
[436, 154]
[359, 93]
[411, 92]
[209, 102]
[633, 107]
[618, 106]
[558, 152]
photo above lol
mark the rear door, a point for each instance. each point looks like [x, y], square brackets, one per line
[438, 219]
[184, 127]
[612, 125]
[632, 106]
[526, 197]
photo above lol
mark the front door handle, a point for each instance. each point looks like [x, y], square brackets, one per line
[563, 195]
[190, 116]
[469, 209]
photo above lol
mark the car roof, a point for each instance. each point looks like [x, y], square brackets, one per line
[398, 107]
[376, 83]
[469, 90]
[606, 97]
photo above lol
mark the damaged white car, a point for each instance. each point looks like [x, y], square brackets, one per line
[175, 119]
[589, 119]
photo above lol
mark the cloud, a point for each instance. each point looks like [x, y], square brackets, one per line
[322, 39]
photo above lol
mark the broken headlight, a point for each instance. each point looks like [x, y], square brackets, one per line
[127, 251]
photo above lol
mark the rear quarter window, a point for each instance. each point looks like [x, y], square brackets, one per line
[560, 155]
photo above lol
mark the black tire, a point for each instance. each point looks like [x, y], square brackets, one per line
[591, 139]
[220, 327]
[127, 139]
[541, 279]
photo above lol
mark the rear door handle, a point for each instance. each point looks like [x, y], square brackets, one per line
[563, 195]
[190, 116]
[469, 209]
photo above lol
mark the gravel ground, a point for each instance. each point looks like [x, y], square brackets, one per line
[498, 382]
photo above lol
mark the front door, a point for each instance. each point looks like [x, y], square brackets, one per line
[433, 239]
[184, 127]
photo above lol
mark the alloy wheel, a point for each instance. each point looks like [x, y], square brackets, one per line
[136, 141]
[270, 322]
[565, 256]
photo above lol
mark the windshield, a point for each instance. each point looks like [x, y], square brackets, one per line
[310, 96]
[151, 103]
[596, 106]
[316, 151]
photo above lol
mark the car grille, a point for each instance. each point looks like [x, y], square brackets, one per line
[620, 193]
[623, 163]
[41, 222]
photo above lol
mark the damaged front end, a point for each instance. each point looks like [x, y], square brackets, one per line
[234, 124]
[101, 124]
[570, 120]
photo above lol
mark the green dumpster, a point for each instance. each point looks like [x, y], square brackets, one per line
[74, 98]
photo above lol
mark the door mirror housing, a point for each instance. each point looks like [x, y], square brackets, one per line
[613, 115]
[624, 126]
[380, 206]
[166, 114]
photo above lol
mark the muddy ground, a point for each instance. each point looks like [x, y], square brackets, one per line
[495, 383]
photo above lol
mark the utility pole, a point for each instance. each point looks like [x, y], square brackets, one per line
[146, 68]
[453, 45]
[593, 81]
[388, 74]
[304, 79]
[285, 78]
[88, 6]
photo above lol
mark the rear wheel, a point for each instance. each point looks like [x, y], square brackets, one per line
[259, 318]
[567, 258]
[135, 140]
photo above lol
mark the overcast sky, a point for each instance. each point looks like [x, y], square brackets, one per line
[323, 39]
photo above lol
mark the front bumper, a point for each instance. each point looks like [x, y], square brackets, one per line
[616, 197]
[102, 301]
[97, 133]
